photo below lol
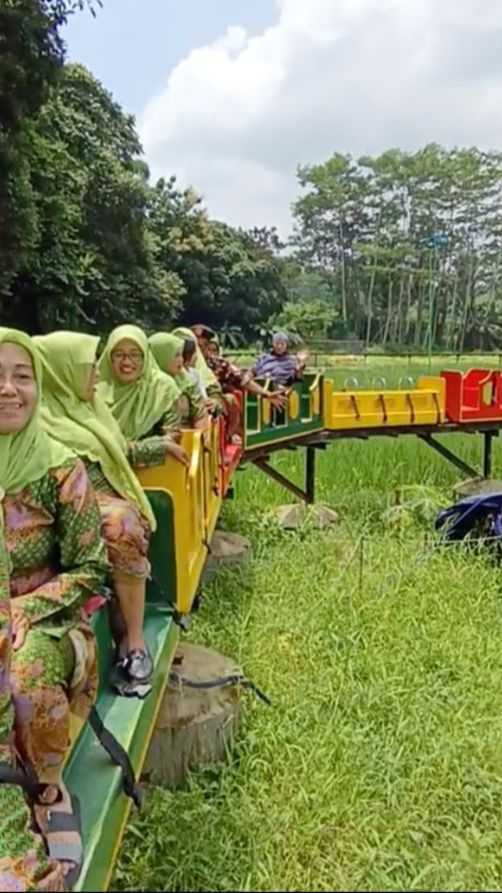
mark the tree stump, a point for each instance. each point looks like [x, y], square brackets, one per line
[291, 517]
[226, 549]
[194, 726]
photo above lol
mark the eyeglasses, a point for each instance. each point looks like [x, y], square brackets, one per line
[134, 355]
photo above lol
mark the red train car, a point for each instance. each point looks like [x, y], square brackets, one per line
[230, 450]
[474, 396]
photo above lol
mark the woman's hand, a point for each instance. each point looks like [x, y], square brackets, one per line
[277, 398]
[20, 627]
[176, 451]
[203, 424]
[210, 404]
[303, 358]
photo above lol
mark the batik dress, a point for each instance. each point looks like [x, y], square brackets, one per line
[57, 564]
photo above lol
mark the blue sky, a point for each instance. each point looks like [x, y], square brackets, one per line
[232, 95]
[132, 45]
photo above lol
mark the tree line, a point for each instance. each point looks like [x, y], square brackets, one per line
[400, 249]
[408, 245]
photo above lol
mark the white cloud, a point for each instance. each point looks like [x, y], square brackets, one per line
[236, 117]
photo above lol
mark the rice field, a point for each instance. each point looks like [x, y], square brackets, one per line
[379, 765]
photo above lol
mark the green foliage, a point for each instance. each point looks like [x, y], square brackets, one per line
[304, 284]
[230, 336]
[87, 240]
[231, 279]
[371, 225]
[309, 319]
[31, 56]
[98, 261]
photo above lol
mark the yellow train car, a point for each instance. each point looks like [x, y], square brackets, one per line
[195, 496]
[354, 409]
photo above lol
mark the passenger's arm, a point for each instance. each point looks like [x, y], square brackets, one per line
[214, 400]
[197, 407]
[171, 422]
[82, 550]
[153, 450]
[147, 452]
[171, 428]
[277, 398]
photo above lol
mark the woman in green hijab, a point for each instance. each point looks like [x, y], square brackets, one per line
[175, 357]
[78, 417]
[207, 380]
[144, 401]
[52, 558]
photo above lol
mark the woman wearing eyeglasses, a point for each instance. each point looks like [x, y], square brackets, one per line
[144, 400]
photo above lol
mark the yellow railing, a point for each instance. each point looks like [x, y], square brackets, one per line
[187, 487]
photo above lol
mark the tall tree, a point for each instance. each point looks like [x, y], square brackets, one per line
[98, 262]
[31, 57]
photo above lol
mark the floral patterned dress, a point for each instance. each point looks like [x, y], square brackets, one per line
[230, 376]
[126, 531]
[58, 562]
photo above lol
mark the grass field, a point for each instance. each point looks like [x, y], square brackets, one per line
[379, 766]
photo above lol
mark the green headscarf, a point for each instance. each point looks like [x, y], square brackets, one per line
[164, 348]
[138, 405]
[207, 375]
[27, 455]
[88, 426]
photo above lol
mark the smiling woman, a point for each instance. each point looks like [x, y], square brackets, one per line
[85, 424]
[50, 526]
[144, 400]
[127, 361]
[18, 388]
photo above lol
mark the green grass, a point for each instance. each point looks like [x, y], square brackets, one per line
[379, 766]
[395, 372]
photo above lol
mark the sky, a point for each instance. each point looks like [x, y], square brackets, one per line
[232, 95]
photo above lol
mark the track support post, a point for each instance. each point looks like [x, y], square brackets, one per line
[487, 453]
[310, 475]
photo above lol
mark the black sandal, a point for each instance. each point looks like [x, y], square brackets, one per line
[138, 666]
[135, 672]
[61, 827]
